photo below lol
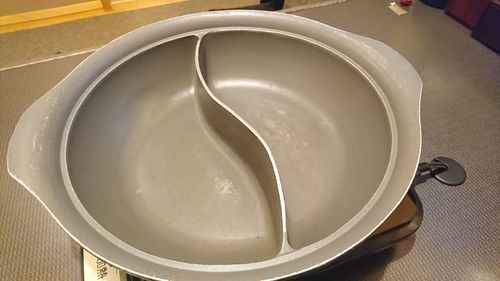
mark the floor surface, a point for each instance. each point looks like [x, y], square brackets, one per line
[459, 237]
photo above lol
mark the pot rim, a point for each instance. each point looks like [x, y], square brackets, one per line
[319, 253]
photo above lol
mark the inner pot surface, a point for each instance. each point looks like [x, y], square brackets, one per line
[155, 171]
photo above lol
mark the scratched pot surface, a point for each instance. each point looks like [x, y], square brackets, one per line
[323, 121]
[197, 164]
[147, 166]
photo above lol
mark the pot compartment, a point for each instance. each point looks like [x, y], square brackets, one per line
[154, 161]
[324, 122]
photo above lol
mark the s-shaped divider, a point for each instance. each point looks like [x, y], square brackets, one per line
[246, 142]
